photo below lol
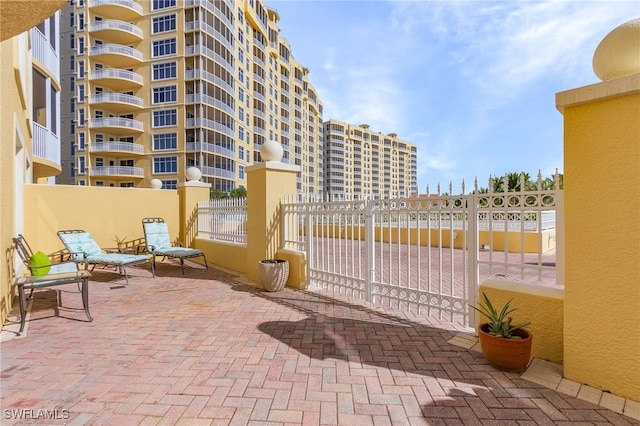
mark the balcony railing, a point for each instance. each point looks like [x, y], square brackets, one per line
[129, 4]
[116, 73]
[127, 147]
[121, 98]
[116, 122]
[202, 98]
[117, 171]
[210, 148]
[205, 122]
[212, 78]
[115, 24]
[116, 49]
[45, 144]
[44, 53]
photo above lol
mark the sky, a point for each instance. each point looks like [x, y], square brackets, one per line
[471, 83]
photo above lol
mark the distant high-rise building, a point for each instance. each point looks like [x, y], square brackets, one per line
[151, 88]
[359, 162]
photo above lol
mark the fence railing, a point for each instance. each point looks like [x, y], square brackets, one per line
[223, 220]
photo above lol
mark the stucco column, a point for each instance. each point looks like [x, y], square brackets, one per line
[602, 220]
[268, 183]
[189, 193]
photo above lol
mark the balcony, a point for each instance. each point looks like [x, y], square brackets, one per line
[117, 125]
[114, 147]
[117, 171]
[210, 148]
[117, 102]
[117, 78]
[196, 98]
[45, 54]
[123, 9]
[116, 54]
[46, 152]
[116, 31]
[205, 122]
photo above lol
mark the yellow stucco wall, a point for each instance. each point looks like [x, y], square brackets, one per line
[101, 211]
[602, 217]
[543, 306]
[15, 147]
[228, 255]
[269, 183]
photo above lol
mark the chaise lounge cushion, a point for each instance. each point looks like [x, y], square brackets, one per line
[82, 247]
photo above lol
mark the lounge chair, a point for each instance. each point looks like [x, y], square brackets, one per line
[44, 274]
[156, 234]
[83, 248]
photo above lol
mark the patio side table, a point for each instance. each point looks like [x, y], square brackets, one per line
[33, 282]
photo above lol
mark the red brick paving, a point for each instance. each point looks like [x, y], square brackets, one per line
[206, 348]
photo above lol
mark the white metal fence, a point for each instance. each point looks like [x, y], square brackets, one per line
[425, 254]
[428, 254]
[223, 220]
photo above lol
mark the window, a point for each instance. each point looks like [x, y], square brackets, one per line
[81, 142]
[240, 132]
[72, 20]
[99, 162]
[241, 76]
[241, 152]
[165, 118]
[72, 127]
[72, 41]
[164, 47]
[72, 84]
[80, 69]
[164, 70]
[165, 141]
[164, 94]
[80, 21]
[169, 184]
[81, 165]
[241, 114]
[165, 165]
[80, 116]
[241, 172]
[162, 4]
[72, 105]
[80, 92]
[72, 63]
[80, 45]
[163, 24]
[241, 94]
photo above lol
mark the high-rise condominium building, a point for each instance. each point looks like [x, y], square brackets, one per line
[359, 162]
[153, 87]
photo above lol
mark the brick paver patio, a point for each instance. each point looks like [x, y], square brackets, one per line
[208, 348]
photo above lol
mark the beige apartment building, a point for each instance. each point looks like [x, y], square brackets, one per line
[359, 162]
[150, 88]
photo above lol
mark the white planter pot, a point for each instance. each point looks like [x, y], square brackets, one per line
[273, 273]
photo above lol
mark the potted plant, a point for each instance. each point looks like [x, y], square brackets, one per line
[273, 273]
[506, 346]
[121, 242]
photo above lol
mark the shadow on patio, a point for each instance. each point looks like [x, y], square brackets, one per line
[208, 347]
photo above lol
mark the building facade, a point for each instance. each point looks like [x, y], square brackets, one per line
[359, 162]
[154, 87]
[29, 111]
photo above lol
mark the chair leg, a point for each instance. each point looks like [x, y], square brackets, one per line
[182, 265]
[205, 261]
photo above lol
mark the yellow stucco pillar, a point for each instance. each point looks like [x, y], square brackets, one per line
[602, 223]
[268, 183]
[189, 193]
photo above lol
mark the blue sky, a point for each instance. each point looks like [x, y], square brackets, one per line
[471, 83]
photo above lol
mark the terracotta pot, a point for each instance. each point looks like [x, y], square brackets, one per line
[506, 354]
[273, 273]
